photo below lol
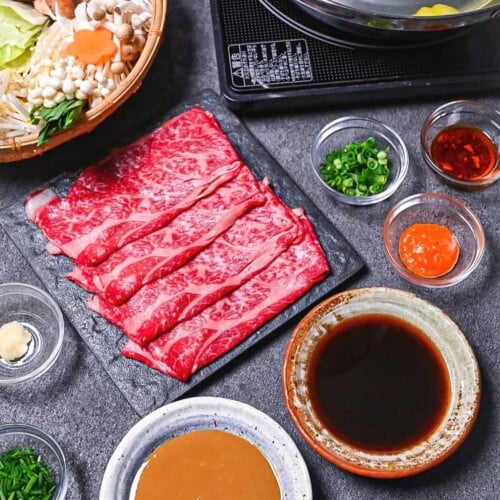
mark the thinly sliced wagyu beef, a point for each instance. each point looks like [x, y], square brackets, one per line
[198, 341]
[137, 190]
[250, 245]
[143, 261]
[185, 251]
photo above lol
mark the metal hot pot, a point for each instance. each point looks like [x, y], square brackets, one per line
[395, 19]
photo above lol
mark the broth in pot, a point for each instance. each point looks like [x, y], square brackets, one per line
[402, 20]
[411, 7]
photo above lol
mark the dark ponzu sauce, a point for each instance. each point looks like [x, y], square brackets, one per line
[464, 152]
[377, 383]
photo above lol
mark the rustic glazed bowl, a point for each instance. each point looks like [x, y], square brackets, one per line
[205, 413]
[457, 354]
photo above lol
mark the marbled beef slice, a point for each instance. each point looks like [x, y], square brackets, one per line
[137, 190]
[145, 260]
[250, 245]
[200, 340]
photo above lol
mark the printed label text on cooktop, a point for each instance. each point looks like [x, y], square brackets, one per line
[264, 64]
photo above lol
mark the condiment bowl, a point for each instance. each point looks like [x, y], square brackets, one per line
[462, 112]
[343, 131]
[42, 318]
[205, 413]
[23, 435]
[461, 405]
[435, 208]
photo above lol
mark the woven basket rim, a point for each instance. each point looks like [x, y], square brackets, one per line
[24, 147]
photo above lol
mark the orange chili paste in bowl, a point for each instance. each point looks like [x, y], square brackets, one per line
[428, 250]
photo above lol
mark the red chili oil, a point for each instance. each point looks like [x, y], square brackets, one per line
[464, 152]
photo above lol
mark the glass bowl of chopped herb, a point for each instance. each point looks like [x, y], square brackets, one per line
[31, 332]
[32, 464]
[360, 161]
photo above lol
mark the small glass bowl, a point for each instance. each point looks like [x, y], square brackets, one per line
[468, 113]
[42, 318]
[435, 208]
[22, 435]
[341, 132]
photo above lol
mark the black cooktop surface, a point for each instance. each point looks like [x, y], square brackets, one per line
[271, 54]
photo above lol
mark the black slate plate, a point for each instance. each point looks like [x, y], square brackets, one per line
[143, 387]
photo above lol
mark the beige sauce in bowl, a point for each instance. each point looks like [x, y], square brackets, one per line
[207, 465]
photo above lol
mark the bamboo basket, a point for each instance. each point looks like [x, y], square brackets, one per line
[24, 147]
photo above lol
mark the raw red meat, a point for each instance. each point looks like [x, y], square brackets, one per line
[198, 341]
[138, 190]
[250, 245]
[192, 139]
[135, 351]
[143, 261]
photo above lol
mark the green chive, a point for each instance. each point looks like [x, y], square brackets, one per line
[58, 118]
[359, 169]
[21, 470]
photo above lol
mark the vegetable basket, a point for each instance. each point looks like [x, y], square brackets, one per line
[24, 147]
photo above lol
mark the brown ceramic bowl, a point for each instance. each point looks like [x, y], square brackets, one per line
[440, 330]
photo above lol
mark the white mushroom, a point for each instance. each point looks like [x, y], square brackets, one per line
[95, 102]
[136, 21]
[95, 11]
[124, 32]
[110, 26]
[35, 93]
[48, 92]
[129, 52]
[127, 6]
[59, 97]
[77, 72]
[58, 73]
[117, 67]
[110, 84]
[145, 16]
[68, 86]
[81, 95]
[81, 21]
[139, 42]
[109, 5]
[49, 103]
[86, 86]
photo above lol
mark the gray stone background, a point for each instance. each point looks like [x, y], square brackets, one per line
[81, 407]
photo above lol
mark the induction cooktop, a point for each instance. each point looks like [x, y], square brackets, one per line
[271, 54]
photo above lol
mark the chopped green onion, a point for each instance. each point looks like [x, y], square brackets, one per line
[359, 169]
[24, 476]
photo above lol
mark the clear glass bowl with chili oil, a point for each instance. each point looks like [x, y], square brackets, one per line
[416, 248]
[460, 142]
[379, 173]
